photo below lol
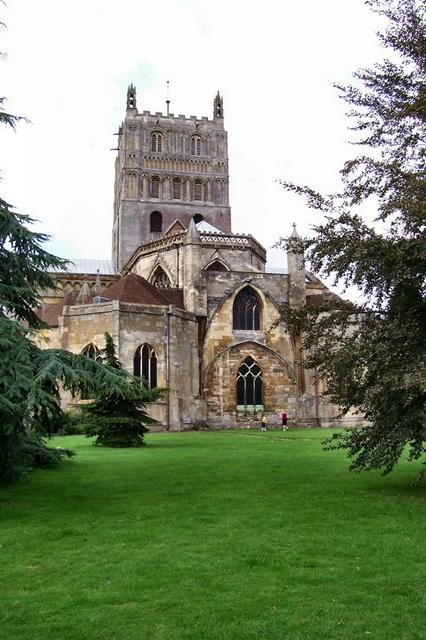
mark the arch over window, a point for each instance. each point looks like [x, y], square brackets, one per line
[198, 217]
[246, 311]
[250, 385]
[155, 187]
[160, 279]
[198, 189]
[156, 221]
[90, 351]
[216, 266]
[145, 365]
[195, 146]
[177, 189]
[156, 141]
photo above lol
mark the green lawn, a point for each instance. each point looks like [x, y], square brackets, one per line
[230, 535]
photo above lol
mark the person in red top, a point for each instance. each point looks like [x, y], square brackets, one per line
[284, 419]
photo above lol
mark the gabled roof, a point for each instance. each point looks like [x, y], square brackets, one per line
[134, 288]
[175, 228]
[131, 288]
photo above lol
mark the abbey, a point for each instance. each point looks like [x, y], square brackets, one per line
[191, 306]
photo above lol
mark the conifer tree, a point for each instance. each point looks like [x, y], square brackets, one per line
[372, 354]
[30, 377]
[117, 418]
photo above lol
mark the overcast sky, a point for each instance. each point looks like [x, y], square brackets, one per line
[69, 64]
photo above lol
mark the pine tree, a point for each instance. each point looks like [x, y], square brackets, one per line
[118, 418]
[372, 354]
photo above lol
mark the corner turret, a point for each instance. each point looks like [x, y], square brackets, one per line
[296, 270]
[131, 97]
[218, 106]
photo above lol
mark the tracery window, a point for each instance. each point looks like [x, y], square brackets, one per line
[156, 221]
[90, 351]
[177, 189]
[195, 146]
[246, 311]
[161, 279]
[155, 187]
[145, 365]
[250, 384]
[156, 141]
[198, 190]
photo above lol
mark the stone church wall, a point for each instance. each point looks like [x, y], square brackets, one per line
[220, 385]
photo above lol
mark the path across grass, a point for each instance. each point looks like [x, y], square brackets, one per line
[230, 535]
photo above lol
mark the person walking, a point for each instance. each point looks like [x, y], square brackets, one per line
[284, 419]
[263, 424]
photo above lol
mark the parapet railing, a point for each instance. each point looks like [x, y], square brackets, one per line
[222, 240]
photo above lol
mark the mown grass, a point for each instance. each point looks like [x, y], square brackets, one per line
[216, 536]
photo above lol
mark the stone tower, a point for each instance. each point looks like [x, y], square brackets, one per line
[168, 168]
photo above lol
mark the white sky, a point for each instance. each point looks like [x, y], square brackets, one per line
[69, 64]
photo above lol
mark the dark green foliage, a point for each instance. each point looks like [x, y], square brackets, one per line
[30, 377]
[372, 355]
[108, 354]
[117, 418]
[23, 266]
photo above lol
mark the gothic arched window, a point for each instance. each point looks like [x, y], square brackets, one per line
[177, 189]
[145, 365]
[156, 141]
[160, 279]
[198, 217]
[90, 351]
[198, 190]
[156, 221]
[155, 187]
[249, 384]
[246, 311]
[195, 146]
[216, 266]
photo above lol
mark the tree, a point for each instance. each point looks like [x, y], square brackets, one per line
[117, 418]
[30, 377]
[372, 354]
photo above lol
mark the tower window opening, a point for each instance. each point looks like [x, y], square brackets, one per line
[177, 189]
[246, 311]
[156, 141]
[155, 187]
[198, 190]
[156, 222]
[145, 365]
[195, 146]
